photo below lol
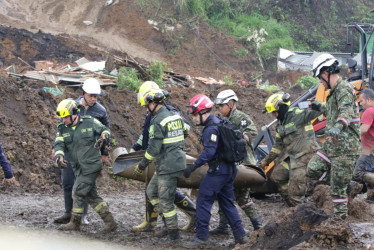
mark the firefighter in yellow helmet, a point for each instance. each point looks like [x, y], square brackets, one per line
[295, 138]
[76, 135]
[181, 201]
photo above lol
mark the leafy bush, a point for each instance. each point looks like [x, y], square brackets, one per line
[307, 82]
[269, 88]
[156, 71]
[242, 52]
[227, 80]
[128, 78]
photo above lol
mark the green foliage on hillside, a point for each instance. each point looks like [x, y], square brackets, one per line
[294, 25]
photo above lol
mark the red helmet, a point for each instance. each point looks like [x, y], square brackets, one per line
[199, 103]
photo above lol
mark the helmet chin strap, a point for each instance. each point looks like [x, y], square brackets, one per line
[71, 121]
[89, 105]
[152, 109]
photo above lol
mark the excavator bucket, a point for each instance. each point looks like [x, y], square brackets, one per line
[124, 165]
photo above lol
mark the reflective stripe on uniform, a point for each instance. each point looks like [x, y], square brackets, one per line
[154, 201]
[60, 138]
[275, 150]
[323, 176]
[285, 165]
[59, 152]
[277, 135]
[345, 121]
[77, 210]
[340, 200]
[355, 120]
[248, 204]
[170, 214]
[323, 156]
[148, 156]
[173, 139]
[299, 111]
[100, 206]
[308, 127]
[105, 132]
[169, 119]
[186, 127]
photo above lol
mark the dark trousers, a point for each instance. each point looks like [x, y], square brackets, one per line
[221, 188]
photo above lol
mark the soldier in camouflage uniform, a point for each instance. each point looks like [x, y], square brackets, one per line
[294, 137]
[77, 135]
[336, 160]
[226, 101]
[166, 142]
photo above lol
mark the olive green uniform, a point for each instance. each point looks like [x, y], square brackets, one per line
[335, 161]
[85, 159]
[166, 142]
[294, 137]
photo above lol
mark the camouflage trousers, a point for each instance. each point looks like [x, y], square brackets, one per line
[364, 164]
[161, 192]
[337, 172]
[242, 197]
[85, 190]
[291, 180]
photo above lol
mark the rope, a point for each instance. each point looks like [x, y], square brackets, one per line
[199, 37]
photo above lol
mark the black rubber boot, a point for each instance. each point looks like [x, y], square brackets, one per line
[241, 240]
[173, 237]
[196, 243]
[189, 209]
[223, 226]
[163, 231]
[150, 221]
[65, 218]
[256, 223]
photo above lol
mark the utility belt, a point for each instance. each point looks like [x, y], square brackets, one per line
[214, 165]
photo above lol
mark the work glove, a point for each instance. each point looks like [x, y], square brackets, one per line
[61, 162]
[315, 105]
[188, 171]
[106, 139]
[334, 132]
[138, 171]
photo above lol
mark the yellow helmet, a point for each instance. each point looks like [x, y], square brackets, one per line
[152, 95]
[275, 100]
[145, 87]
[66, 108]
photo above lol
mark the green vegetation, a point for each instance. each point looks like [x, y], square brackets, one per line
[306, 82]
[128, 78]
[242, 52]
[156, 71]
[269, 88]
[227, 80]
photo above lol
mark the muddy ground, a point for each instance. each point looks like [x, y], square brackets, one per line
[28, 122]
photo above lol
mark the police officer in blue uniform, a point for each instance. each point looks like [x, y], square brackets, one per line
[218, 182]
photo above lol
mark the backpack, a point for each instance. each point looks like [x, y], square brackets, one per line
[232, 147]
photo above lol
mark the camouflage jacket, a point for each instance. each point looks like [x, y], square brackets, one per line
[295, 134]
[341, 110]
[246, 125]
[166, 142]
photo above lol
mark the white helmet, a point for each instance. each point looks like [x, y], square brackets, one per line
[323, 60]
[225, 96]
[92, 86]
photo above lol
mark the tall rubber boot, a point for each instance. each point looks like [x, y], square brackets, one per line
[110, 224]
[173, 237]
[74, 224]
[223, 226]
[150, 221]
[256, 223]
[369, 178]
[65, 218]
[189, 209]
[85, 217]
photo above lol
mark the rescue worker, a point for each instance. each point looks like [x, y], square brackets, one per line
[166, 142]
[364, 169]
[181, 201]
[218, 182]
[7, 169]
[77, 135]
[88, 105]
[294, 137]
[336, 159]
[226, 102]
